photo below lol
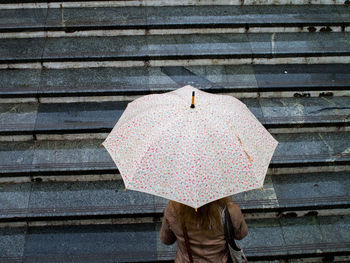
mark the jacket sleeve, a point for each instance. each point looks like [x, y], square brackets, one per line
[167, 236]
[239, 224]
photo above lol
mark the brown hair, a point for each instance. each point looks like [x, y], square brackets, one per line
[206, 217]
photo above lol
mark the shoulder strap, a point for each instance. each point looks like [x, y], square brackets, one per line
[229, 230]
[187, 243]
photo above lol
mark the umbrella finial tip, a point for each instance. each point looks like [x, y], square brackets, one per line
[262, 189]
[192, 105]
[196, 210]
[125, 189]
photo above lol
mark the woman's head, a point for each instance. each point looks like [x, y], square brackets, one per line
[206, 217]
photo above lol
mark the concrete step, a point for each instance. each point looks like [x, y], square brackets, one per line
[175, 47]
[290, 195]
[304, 151]
[100, 117]
[113, 83]
[270, 238]
[308, 18]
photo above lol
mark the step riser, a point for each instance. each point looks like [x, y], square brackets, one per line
[82, 222]
[20, 178]
[309, 169]
[152, 219]
[72, 137]
[144, 32]
[63, 178]
[276, 94]
[308, 130]
[241, 95]
[179, 62]
[168, 3]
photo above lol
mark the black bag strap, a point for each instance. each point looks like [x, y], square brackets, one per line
[229, 231]
[187, 242]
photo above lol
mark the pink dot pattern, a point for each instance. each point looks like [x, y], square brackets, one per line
[194, 156]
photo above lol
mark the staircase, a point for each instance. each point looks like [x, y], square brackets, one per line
[68, 70]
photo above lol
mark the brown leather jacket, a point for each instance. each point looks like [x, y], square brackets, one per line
[205, 245]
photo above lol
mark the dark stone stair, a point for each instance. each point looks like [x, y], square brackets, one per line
[173, 17]
[100, 117]
[50, 157]
[172, 47]
[240, 79]
[283, 194]
[267, 239]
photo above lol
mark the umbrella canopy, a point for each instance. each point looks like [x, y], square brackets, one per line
[192, 155]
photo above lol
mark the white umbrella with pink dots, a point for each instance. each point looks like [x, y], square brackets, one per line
[190, 146]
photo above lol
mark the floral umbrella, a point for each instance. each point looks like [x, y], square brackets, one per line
[190, 154]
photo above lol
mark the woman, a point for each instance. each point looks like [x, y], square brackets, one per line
[205, 230]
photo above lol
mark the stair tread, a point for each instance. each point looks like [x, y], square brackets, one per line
[155, 47]
[176, 17]
[140, 242]
[141, 80]
[290, 192]
[90, 117]
[86, 156]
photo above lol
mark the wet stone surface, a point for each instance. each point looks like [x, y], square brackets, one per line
[338, 145]
[79, 155]
[18, 118]
[262, 233]
[172, 17]
[295, 149]
[101, 117]
[16, 157]
[142, 80]
[279, 15]
[344, 12]
[17, 82]
[25, 19]
[167, 16]
[88, 198]
[227, 78]
[262, 44]
[302, 148]
[302, 43]
[310, 191]
[200, 45]
[79, 116]
[92, 48]
[312, 148]
[301, 77]
[95, 18]
[299, 231]
[21, 50]
[12, 242]
[335, 228]
[14, 199]
[102, 243]
[289, 111]
[94, 81]
[258, 199]
[317, 189]
[312, 44]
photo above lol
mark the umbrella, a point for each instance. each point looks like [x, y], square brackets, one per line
[190, 146]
